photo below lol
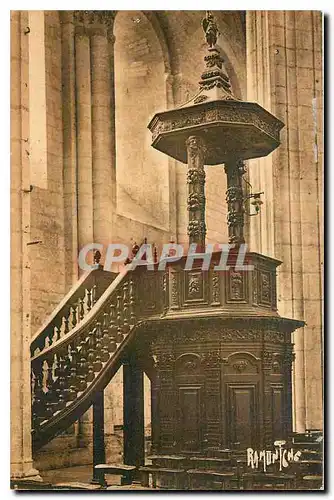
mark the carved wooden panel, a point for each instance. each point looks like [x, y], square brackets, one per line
[174, 290]
[188, 365]
[277, 364]
[195, 287]
[255, 287]
[190, 422]
[215, 279]
[274, 291]
[242, 415]
[277, 411]
[241, 363]
[265, 288]
[149, 292]
[236, 287]
[212, 402]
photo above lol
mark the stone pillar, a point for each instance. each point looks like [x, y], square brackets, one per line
[101, 136]
[133, 414]
[99, 454]
[234, 196]
[69, 148]
[20, 414]
[196, 191]
[112, 117]
[284, 60]
[84, 137]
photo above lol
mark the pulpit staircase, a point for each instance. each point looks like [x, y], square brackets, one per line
[80, 348]
[101, 323]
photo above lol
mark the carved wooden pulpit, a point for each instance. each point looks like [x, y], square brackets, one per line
[223, 355]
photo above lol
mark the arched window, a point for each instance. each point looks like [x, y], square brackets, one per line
[140, 91]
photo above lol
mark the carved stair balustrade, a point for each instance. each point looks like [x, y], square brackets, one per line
[67, 371]
[72, 309]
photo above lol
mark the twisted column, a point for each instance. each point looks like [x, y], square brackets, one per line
[196, 188]
[234, 170]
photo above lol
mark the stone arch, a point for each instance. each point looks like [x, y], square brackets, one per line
[141, 66]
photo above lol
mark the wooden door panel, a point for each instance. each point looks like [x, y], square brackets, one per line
[241, 409]
[190, 418]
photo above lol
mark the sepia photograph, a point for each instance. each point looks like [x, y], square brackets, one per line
[166, 250]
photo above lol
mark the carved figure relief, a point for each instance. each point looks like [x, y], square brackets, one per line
[240, 365]
[265, 285]
[187, 364]
[194, 176]
[236, 286]
[194, 286]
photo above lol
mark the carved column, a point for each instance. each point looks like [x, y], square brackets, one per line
[234, 196]
[196, 188]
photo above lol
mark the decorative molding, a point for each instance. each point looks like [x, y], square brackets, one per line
[200, 98]
[267, 358]
[174, 278]
[215, 288]
[231, 335]
[211, 359]
[274, 291]
[196, 201]
[196, 228]
[164, 359]
[89, 17]
[225, 111]
[240, 365]
[187, 364]
[194, 176]
[265, 288]
[254, 286]
[274, 336]
[289, 358]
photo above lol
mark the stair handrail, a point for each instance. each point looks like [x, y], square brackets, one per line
[87, 320]
[85, 281]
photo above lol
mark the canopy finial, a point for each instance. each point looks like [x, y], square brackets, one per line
[210, 29]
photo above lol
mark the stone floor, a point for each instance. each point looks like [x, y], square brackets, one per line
[79, 478]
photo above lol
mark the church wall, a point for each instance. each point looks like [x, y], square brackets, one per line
[285, 76]
[47, 212]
